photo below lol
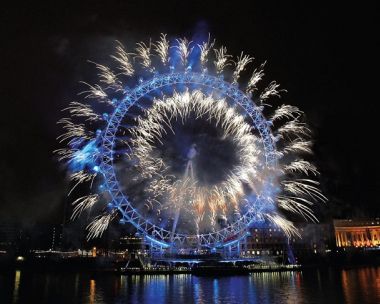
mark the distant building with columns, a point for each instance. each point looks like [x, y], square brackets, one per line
[357, 233]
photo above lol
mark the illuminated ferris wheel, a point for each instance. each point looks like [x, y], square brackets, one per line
[174, 144]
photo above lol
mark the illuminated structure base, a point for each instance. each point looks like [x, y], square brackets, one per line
[230, 249]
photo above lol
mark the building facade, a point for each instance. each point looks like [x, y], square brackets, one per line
[357, 233]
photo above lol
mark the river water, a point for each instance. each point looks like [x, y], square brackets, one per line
[359, 285]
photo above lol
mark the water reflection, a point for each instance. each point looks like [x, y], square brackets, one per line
[312, 286]
[16, 285]
[361, 285]
[92, 291]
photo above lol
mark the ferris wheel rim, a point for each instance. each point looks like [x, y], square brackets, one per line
[119, 199]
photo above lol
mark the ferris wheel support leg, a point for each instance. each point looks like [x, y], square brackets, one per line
[176, 217]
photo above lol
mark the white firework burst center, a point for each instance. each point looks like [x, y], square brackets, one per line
[201, 201]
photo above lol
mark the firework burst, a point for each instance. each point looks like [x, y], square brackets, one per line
[135, 150]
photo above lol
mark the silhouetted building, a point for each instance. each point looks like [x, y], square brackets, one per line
[315, 239]
[9, 236]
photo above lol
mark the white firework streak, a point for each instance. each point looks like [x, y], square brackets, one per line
[302, 166]
[73, 131]
[222, 60]
[81, 177]
[240, 65]
[123, 59]
[298, 146]
[84, 203]
[286, 225]
[96, 92]
[257, 75]
[297, 205]
[151, 128]
[271, 90]
[286, 111]
[78, 109]
[205, 48]
[184, 50]
[295, 128]
[304, 187]
[162, 49]
[107, 76]
[213, 205]
[99, 225]
[65, 153]
[143, 53]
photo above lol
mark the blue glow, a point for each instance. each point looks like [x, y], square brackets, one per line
[166, 83]
[201, 34]
[174, 56]
[159, 243]
[85, 157]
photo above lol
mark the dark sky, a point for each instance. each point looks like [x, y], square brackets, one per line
[326, 57]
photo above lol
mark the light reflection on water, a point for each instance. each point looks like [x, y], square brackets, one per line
[311, 286]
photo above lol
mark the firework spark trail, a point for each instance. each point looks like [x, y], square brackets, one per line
[213, 205]
[304, 187]
[295, 128]
[240, 65]
[162, 49]
[107, 77]
[184, 50]
[97, 227]
[298, 146]
[222, 60]
[297, 205]
[73, 131]
[96, 92]
[150, 129]
[199, 208]
[205, 48]
[301, 166]
[65, 154]
[271, 90]
[286, 111]
[123, 60]
[144, 55]
[81, 177]
[256, 76]
[77, 109]
[84, 203]
[286, 225]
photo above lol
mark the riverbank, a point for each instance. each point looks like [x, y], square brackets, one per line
[341, 260]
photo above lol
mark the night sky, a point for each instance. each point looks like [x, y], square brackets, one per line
[326, 57]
